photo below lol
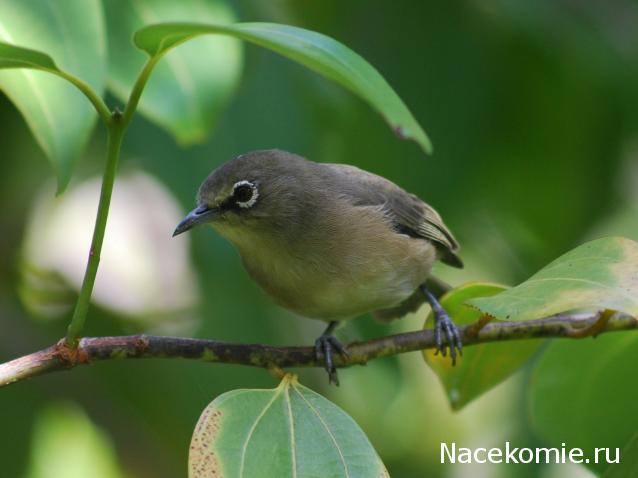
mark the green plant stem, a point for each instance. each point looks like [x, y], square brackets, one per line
[117, 123]
[116, 131]
[138, 88]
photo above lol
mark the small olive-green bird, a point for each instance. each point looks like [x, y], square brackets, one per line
[329, 241]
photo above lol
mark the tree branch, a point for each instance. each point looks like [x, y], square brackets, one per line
[91, 349]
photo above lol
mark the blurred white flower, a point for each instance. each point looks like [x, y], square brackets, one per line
[144, 273]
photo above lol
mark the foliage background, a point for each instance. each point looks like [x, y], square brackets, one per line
[532, 108]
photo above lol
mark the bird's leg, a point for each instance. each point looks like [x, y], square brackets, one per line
[443, 323]
[325, 345]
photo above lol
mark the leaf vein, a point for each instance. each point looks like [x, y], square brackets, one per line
[587, 281]
[293, 447]
[325, 425]
[252, 431]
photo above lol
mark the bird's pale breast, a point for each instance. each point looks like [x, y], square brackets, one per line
[349, 264]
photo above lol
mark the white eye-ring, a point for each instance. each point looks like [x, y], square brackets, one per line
[245, 194]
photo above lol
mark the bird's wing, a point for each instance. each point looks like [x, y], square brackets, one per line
[409, 214]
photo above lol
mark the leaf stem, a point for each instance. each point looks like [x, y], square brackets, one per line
[95, 99]
[138, 88]
[115, 134]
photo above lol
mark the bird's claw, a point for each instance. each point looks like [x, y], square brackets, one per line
[325, 345]
[443, 325]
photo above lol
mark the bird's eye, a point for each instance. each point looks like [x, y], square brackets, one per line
[245, 194]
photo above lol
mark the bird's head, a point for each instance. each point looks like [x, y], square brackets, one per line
[257, 191]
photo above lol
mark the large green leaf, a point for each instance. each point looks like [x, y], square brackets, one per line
[286, 432]
[582, 393]
[189, 88]
[628, 465]
[482, 366]
[72, 33]
[314, 50]
[601, 274]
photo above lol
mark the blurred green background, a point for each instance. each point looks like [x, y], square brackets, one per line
[533, 111]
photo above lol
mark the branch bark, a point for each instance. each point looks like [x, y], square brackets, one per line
[91, 349]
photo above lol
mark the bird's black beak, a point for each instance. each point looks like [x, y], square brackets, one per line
[197, 216]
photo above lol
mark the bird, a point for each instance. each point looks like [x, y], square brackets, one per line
[329, 241]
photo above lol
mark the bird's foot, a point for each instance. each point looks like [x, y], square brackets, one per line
[443, 325]
[325, 346]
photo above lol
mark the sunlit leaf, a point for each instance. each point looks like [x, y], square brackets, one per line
[482, 366]
[12, 56]
[582, 393]
[72, 33]
[286, 432]
[187, 90]
[67, 444]
[314, 50]
[601, 274]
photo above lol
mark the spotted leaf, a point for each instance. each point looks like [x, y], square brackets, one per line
[289, 431]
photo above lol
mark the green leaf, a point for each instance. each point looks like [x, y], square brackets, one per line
[482, 366]
[72, 33]
[582, 393]
[290, 431]
[313, 50]
[66, 443]
[628, 465]
[188, 90]
[601, 274]
[12, 56]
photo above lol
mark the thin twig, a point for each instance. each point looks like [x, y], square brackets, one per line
[91, 349]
